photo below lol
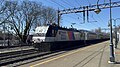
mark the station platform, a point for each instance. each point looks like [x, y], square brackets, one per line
[96, 55]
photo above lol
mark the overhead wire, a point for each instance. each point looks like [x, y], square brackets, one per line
[71, 17]
[89, 2]
[75, 13]
[71, 6]
[58, 4]
[98, 15]
[67, 3]
[77, 2]
[92, 15]
[78, 14]
[62, 7]
[97, 20]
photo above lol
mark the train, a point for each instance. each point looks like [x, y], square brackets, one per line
[53, 33]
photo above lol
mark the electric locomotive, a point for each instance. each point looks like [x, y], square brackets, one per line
[52, 33]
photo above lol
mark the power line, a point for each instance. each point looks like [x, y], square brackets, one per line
[92, 14]
[71, 6]
[64, 7]
[89, 2]
[100, 18]
[71, 17]
[88, 13]
[77, 2]
[63, 4]
[58, 4]
[67, 3]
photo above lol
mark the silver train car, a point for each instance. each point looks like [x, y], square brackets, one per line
[52, 33]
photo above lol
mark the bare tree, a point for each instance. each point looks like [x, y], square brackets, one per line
[23, 18]
[26, 16]
[49, 15]
[4, 14]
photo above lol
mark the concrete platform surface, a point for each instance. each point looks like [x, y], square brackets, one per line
[6, 50]
[96, 55]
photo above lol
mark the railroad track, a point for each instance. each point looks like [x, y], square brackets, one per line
[13, 57]
[23, 57]
[7, 57]
[15, 54]
[16, 57]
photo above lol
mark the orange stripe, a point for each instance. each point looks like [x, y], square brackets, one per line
[117, 52]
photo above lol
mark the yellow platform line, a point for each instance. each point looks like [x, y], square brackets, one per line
[63, 55]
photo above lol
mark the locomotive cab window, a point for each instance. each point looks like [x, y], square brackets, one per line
[51, 32]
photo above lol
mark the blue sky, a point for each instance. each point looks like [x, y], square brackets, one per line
[67, 19]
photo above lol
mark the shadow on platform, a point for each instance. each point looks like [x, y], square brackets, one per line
[118, 48]
[117, 62]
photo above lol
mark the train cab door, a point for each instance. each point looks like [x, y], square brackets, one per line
[54, 33]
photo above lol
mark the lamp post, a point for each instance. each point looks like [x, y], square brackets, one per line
[97, 10]
[112, 58]
[115, 34]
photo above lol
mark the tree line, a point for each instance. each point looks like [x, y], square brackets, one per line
[24, 16]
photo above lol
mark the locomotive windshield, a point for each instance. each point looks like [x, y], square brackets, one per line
[40, 34]
[41, 31]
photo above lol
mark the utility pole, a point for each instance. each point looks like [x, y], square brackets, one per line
[59, 15]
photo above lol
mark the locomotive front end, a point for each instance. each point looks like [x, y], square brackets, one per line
[40, 34]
